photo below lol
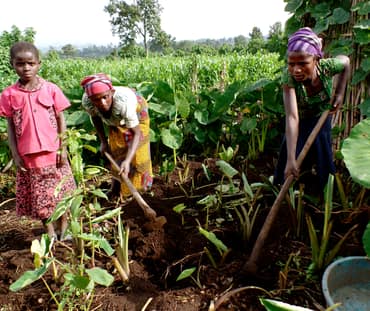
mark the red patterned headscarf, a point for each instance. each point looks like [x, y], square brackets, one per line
[305, 40]
[96, 84]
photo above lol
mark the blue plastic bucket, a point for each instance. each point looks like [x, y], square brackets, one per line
[347, 281]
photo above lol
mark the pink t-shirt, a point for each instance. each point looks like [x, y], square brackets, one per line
[34, 115]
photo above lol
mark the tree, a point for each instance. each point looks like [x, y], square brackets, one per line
[240, 41]
[141, 19]
[69, 50]
[256, 42]
[276, 42]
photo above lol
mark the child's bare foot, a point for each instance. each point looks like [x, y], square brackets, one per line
[63, 226]
[50, 231]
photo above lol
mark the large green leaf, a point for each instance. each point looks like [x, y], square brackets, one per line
[226, 168]
[362, 8]
[77, 281]
[248, 124]
[172, 137]
[356, 153]
[100, 276]
[359, 75]
[201, 116]
[320, 10]
[341, 46]
[365, 64]
[77, 118]
[321, 25]
[183, 106]
[340, 16]
[362, 32]
[29, 277]
[164, 91]
[293, 5]
[365, 107]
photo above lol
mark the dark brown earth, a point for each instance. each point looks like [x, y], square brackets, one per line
[158, 256]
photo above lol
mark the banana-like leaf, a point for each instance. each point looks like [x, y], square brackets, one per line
[356, 153]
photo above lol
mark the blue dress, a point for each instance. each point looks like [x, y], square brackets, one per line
[320, 155]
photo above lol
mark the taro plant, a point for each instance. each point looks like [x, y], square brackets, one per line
[188, 273]
[211, 201]
[179, 208]
[75, 140]
[121, 262]
[321, 256]
[247, 208]
[259, 108]
[355, 152]
[90, 228]
[77, 291]
[243, 199]
[167, 109]
[5, 155]
[222, 249]
[296, 203]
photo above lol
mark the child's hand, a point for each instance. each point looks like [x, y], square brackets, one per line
[61, 158]
[19, 163]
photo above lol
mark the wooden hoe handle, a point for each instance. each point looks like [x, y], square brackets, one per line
[148, 211]
[250, 266]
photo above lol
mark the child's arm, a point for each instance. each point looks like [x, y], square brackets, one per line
[340, 83]
[13, 145]
[62, 154]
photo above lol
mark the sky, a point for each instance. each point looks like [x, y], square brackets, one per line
[84, 22]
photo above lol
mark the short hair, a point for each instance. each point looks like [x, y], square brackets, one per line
[23, 46]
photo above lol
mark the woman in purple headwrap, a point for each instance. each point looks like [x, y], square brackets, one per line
[307, 90]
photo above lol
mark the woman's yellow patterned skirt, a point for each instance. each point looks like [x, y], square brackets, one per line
[120, 138]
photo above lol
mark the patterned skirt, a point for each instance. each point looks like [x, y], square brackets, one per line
[120, 139]
[36, 195]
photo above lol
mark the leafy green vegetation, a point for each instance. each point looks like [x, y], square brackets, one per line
[211, 101]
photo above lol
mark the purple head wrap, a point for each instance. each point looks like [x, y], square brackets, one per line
[305, 40]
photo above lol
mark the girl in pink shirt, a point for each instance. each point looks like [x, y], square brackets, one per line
[34, 110]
